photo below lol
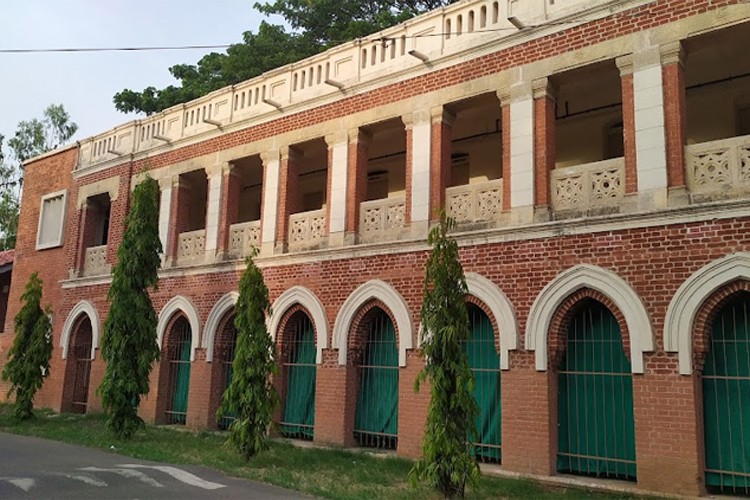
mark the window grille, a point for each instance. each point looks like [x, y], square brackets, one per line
[299, 368]
[225, 349]
[81, 357]
[178, 357]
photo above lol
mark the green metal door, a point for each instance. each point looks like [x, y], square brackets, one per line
[179, 369]
[485, 366]
[300, 369]
[225, 350]
[726, 400]
[596, 430]
[376, 420]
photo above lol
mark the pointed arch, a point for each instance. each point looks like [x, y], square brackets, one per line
[184, 305]
[83, 307]
[501, 308]
[220, 309]
[605, 282]
[307, 299]
[382, 291]
[680, 318]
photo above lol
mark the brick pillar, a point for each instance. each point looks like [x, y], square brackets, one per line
[625, 64]
[359, 143]
[545, 145]
[504, 96]
[412, 407]
[147, 410]
[229, 206]
[178, 219]
[289, 196]
[408, 165]
[87, 228]
[96, 375]
[440, 158]
[198, 409]
[335, 401]
[529, 403]
[668, 428]
[675, 112]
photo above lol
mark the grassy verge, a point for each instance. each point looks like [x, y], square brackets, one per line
[322, 472]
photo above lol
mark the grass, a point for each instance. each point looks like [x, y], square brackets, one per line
[328, 473]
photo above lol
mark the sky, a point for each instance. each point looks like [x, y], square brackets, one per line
[85, 82]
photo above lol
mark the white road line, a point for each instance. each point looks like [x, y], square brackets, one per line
[86, 478]
[24, 483]
[180, 475]
[128, 473]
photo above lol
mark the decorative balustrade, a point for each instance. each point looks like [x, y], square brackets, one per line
[402, 48]
[593, 185]
[475, 202]
[719, 167]
[243, 237]
[381, 219]
[191, 245]
[96, 261]
[307, 229]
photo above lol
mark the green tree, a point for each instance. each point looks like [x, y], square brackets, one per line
[32, 138]
[250, 395]
[447, 463]
[317, 25]
[28, 358]
[129, 345]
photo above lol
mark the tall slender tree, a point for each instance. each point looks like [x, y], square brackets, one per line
[447, 463]
[250, 395]
[28, 358]
[129, 344]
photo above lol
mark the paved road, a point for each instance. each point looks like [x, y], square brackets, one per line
[38, 468]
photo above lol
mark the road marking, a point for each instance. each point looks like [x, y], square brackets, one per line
[24, 483]
[127, 473]
[90, 480]
[180, 475]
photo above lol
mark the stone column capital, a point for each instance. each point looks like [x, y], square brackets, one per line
[625, 64]
[673, 53]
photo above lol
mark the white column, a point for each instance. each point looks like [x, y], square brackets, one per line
[213, 210]
[522, 154]
[650, 139]
[339, 146]
[421, 145]
[271, 178]
[165, 208]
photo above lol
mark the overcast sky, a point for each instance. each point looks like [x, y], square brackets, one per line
[85, 82]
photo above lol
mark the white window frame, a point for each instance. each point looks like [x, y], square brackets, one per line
[59, 240]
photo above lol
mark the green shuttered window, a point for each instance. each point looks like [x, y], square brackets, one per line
[299, 406]
[179, 371]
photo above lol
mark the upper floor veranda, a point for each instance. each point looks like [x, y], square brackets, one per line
[593, 110]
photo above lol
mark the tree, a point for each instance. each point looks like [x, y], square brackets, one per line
[129, 345]
[32, 138]
[447, 463]
[317, 24]
[28, 358]
[250, 395]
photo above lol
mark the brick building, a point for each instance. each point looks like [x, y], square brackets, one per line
[596, 155]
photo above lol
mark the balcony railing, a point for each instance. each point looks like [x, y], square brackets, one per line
[96, 261]
[365, 61]
[243, 237]
[307, 229]
[589, 186]
[191, 246]
[381, 219]
[475, 202]
[719, 167]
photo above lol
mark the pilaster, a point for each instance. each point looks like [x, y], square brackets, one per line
[271, 195]
[338, 160]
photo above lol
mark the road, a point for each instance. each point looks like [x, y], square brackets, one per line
[38, 468]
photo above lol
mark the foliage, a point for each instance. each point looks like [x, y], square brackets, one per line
[129, 345]
[28, 358]
[32, 138]
[317, 24]
[250, 395]
[447, 463]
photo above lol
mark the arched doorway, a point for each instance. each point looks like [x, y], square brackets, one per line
[299, 373]
[225, 347]
[376, 417]
[484, 362]
[726, 399]
[78, 369]
[176, 354]
[596, 429]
